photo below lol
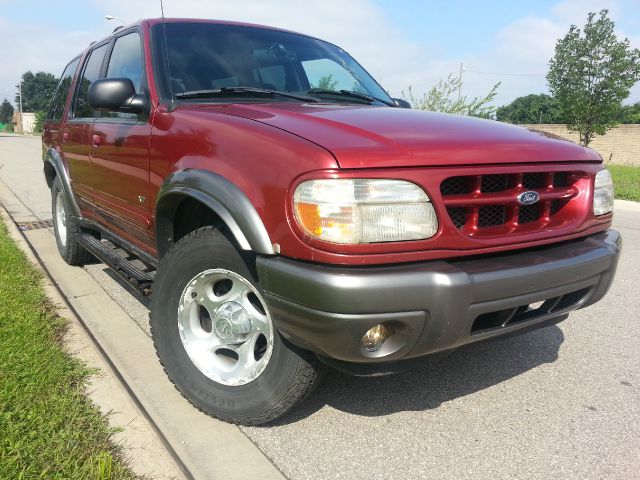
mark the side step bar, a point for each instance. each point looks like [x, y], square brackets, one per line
[137, 278]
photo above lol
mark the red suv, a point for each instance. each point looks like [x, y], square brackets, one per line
[288, 214]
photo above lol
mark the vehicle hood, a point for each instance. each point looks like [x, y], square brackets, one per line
[374, 137]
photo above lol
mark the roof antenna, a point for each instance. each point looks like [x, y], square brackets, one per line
[172, 104]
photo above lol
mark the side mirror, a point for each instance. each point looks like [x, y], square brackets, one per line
[117, 95]
[401, 103]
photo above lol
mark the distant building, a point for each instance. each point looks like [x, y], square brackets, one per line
[23, 123]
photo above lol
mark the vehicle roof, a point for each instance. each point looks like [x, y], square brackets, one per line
[154, 21]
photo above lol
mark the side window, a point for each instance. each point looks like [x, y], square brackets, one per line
[329, 75]
[90, 73]
[126, 62]
[56, 109]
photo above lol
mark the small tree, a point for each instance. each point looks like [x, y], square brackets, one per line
[38, 124]
[443, 97]
[326, 83]
[6, 111]
[591, 74]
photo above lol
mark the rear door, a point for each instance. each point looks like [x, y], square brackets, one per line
[120, 150]
[51, 134]
[76, 137]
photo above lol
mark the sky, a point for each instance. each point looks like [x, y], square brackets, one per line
[400, 42]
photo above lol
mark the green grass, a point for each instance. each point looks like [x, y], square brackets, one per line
[626, 180]
[48, 427]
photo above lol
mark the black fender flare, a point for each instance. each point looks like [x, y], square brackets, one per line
[220, 195]
[52, 157]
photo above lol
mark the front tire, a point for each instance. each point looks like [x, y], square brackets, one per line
[215, 337]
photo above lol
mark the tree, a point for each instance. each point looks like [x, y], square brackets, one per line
[37, 90]
[532, 108]
[326, 83]
[630, 113]
[6, 111]
[591, 74]
[39, 123]
[444, 97]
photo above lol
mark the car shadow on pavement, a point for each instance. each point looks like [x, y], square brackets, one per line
[429, 382]
[433, 381]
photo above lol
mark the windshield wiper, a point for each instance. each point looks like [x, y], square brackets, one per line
[349, 93]
[247, 91]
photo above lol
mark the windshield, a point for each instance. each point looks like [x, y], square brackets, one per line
[208, 56]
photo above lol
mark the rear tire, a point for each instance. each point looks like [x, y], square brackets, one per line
[66, 228]
[215, 338]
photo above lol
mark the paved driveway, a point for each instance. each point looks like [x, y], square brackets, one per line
[561, 402]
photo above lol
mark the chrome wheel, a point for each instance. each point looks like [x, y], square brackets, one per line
[61, 219]
[225, 327]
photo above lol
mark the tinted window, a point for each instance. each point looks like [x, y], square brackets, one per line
[205, 56]
[59, 100]
[90, 73]
[328, 75]
[126, 60]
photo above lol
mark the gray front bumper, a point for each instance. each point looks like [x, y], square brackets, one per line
[434, 306]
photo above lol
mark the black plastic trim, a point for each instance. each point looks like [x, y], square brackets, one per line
[222, 197]
[327, 309]
[121, 242]
[142, 281]
[53, 158]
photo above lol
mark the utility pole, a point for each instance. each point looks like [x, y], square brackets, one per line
[20, 92]
[460, 82]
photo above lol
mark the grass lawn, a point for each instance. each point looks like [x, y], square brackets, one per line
[48, 428]
[626, 181]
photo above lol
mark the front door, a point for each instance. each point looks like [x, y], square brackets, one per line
[76, 133]
[120, 152]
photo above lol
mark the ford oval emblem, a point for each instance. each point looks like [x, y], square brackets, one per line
[528, 198]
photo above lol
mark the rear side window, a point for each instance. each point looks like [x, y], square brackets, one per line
[90, 73]
[126, 62]
[56, 109]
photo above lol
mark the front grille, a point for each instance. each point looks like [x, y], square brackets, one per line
[490, 216]
[528, 213]
[494, 183]
[488, 204]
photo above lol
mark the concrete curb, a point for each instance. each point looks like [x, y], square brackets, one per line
[627, 205]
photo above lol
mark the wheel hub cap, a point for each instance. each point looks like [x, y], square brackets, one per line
[225, 327]
[232, 321]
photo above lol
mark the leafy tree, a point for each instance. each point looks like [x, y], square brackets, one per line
[630, 113]
[40, 118]
[532, 108]
[6, 111]
[37, 90]
[591, 74]
[326, 83]
[443, 97]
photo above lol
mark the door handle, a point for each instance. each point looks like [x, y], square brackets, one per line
[95, 140]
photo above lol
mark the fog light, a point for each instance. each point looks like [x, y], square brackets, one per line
[375, 337]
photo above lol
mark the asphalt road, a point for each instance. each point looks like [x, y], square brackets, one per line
[560, 402]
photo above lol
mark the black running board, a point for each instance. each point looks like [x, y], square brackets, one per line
[137, 278]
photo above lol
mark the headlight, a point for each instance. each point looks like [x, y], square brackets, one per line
[603, 193]
[364, 210]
